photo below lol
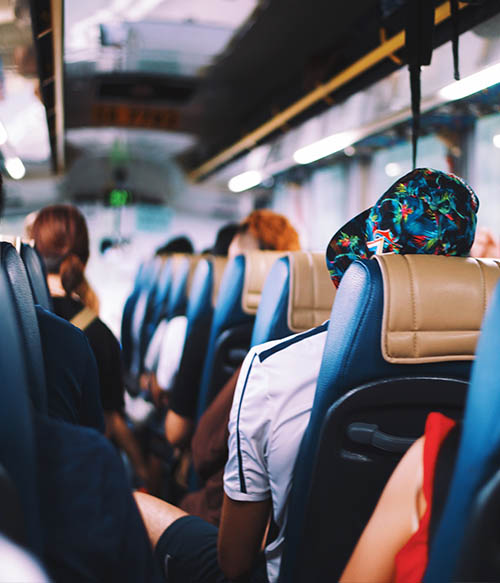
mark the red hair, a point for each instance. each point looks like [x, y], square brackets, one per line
[272, 230]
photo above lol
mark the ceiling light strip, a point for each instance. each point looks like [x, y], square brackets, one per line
[362, 65]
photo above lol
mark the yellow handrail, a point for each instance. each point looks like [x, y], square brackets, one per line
[385, 50]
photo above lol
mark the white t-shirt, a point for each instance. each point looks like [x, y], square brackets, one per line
[154, 347]
[171, 350]
[270, 412]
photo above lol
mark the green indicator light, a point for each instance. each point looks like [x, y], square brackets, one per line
[118, 197]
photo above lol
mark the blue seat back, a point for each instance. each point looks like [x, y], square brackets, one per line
[366, 346]
[17, 451]
[232, 324]
[37, 276]
[477, 462]
[142, 279]
[199, 312]
[181, 280]
[298, 295]
[160, 295]
[142, 313]
[13, 267]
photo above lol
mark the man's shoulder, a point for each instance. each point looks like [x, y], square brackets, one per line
[272, 351]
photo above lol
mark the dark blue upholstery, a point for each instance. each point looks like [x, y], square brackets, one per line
[36, 275]
[199, 315]
[11, 513]
[477, 460]
[177, 299]
[17, 453]
[142, 278]
[352, 357]
[271, 321]
[228, 315]
[159, 298]
[17, 277]
[142, 314]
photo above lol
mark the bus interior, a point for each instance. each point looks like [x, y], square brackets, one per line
[154, 124]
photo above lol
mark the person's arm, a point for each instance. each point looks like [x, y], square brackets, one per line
[117, 428]
[209, 443]
[392, 523]
[178, 429]
[241, 535]
[247, 492]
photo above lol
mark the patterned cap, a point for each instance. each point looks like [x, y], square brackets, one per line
[426, 211]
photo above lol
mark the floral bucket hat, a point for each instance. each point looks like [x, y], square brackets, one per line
[425, 211]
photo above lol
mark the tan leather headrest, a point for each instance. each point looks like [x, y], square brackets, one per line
[257, 266]
[311, 290]
[219, 265]
[193, 264]
[15, 241]
[434, 306]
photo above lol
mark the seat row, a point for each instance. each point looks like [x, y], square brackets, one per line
[224, 311]
[22, 282]
[401, 340]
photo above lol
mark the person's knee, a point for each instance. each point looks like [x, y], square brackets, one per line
[157, 515]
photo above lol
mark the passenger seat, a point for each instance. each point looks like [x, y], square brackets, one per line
[17, 278]
[298, 294]
[233, 320]
[17, 447]
[465, 546]
[401, 338]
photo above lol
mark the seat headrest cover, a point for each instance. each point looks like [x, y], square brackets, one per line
[434, 306]
[193, 264]
[311, 291]
[257, 267]
[219, 265]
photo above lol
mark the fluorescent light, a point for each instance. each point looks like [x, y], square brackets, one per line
[245, 181]
[3, 134]
[141, 9]
[472, 84]
[324, 147]
[393, 169]
[15, 168]
[496, 141]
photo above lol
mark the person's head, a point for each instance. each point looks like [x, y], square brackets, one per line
[425, 211]
[176, 245]
[485, 244]
[106, 244]
[225, 235]
[266, 230]
[62, 239]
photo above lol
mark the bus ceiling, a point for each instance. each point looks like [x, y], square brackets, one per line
[216, 78]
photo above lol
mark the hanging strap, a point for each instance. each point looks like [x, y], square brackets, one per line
[419, 36]
[83, 319]
[454, 37]
[415, 111]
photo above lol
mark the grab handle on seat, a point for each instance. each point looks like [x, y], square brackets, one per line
[369, 434]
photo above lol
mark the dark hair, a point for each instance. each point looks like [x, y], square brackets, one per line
[106, 244]
[224, 237]
[62, 239]
[177, 245]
